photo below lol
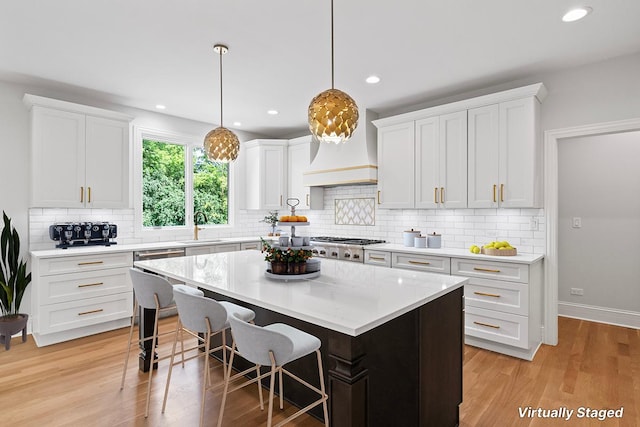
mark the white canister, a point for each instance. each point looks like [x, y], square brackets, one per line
[434, 241]
[283, 241]
[420, 242]
[296, 241]
[409, 236]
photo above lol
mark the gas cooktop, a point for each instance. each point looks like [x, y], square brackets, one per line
[345, 240]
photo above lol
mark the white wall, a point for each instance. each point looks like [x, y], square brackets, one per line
[599, 182]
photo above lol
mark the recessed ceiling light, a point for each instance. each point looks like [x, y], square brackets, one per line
[576, 14]
[372, 79]
[160, 107]
[237, 124]
[272, 112]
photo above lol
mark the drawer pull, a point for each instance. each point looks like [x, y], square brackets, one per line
[91, 263]
[484, 294]
[251, 247]
[378, 196]
[90, 312]
[487, 325]
[91, 284]
[377, 258]
[487, 270]
[435, 195]
[419, 262]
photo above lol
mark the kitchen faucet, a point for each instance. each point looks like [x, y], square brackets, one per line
[195, 222]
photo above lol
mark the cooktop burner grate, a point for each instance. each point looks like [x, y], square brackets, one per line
[346, 240]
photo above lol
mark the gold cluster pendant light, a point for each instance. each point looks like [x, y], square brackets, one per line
[221, 145]
[333, 114]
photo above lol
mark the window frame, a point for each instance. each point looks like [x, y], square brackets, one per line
[190, 142]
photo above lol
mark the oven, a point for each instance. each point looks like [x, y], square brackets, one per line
[341, 248]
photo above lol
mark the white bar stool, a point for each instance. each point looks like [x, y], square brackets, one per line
[151, 292]
[273, 345]
[198, 314]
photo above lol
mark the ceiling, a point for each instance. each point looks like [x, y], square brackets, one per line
[146, 52]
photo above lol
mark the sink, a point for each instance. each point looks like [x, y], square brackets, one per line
[190, 242]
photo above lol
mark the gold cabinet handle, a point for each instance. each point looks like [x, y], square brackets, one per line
[281, 200]
[378, 196]
[435, 195]
[90, 312]
[485, 294]
[487, 270]
[81, 194]
[377, 258]
[89, 198]
[91, 284]
[494, 193]
[441, 194]
[488, 325]
[307, 199]
[502, 192]
[250, 247]
[150, 254]
[419, 262]
[91, 263]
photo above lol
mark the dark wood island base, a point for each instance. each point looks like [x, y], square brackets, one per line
[406, 372]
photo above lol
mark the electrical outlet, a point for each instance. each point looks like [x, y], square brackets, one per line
[577, 291]
[576, 222]
[533, 223]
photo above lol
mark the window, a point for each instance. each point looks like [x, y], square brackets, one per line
[168, 192]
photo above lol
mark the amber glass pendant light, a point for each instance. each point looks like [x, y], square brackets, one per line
[333, 114]
[221, 145]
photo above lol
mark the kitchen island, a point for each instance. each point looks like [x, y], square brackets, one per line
[392, 340]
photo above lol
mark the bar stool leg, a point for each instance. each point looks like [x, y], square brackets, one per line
[126, 356]
[154, 341]
[173, 354]
[271, 387]
[324, 404]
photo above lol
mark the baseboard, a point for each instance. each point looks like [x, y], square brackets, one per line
[611, 316]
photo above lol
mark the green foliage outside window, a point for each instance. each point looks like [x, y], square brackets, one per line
[163, 185]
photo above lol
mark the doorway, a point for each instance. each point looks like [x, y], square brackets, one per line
[552, 139]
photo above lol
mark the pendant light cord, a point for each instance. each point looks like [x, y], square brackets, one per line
[221, 86]
[332, 66]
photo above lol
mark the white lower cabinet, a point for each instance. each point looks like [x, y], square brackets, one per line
[80, 295]
[503, 300]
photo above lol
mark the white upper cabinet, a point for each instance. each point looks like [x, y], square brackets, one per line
[505, 155]
[79, 155]
[299, 159]
[482, 152]
[265, 174]
[423, 163]
[396, 151]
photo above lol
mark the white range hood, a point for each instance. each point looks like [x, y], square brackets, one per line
[354, 162]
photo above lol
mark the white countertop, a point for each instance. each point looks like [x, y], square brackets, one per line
[99, 249]
[347, 297]
[457, 253]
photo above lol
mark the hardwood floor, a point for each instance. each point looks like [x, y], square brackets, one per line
[77, 383]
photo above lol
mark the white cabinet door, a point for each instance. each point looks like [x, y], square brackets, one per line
[505, 155]
[396, 180]
[299, 159]
[427, 163]
[484, 164]
[265, 163]
[107, 163]
[453, 160]
[520, 154]
[57, 158]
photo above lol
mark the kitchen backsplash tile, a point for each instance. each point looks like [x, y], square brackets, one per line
[460, 228]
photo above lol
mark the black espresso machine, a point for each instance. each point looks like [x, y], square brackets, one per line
[77, 234]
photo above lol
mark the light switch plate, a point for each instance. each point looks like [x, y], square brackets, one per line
[576, 222]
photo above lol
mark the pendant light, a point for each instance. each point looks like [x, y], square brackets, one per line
[333, 114]
[221, 145]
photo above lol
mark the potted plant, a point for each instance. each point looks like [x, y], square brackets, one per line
[271, 219]
[276, 257]
[13, 282]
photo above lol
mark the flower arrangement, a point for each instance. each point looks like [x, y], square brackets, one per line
[291, 261]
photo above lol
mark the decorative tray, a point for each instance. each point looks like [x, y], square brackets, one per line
[294, 223]
[499, 252]
[287, 277]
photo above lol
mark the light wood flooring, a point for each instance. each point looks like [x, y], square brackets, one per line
[77, 383]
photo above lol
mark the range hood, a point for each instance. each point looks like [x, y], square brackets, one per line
[354, 162]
